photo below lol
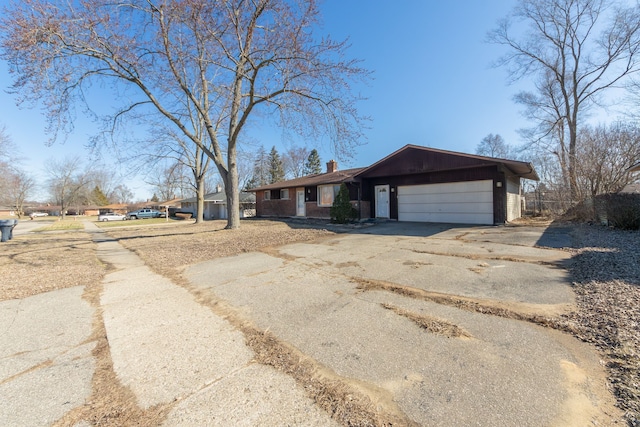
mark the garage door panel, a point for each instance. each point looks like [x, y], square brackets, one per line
[449, 208]
[482, 197]
[449, 187]
[459, 218]
[459, 202]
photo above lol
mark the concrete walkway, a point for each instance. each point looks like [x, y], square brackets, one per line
[168, 348]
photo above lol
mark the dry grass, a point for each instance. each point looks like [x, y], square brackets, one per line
[38, 263]
[494, 308]
[430, 323]
[168, 250]
[61, 226]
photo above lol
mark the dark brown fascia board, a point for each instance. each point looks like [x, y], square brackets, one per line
[530, 174]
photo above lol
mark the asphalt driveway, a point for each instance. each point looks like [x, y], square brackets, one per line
[331, 300]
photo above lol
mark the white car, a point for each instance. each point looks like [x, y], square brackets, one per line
[111, 216]
[37, 214]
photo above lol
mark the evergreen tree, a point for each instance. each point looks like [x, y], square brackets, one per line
[342, 212]
[155, 198]
[276, 168]
[313, 163]
[98, 197]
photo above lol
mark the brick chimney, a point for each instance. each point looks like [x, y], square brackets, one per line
[332, 166]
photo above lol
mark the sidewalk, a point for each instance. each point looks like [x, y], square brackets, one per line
[170, 350]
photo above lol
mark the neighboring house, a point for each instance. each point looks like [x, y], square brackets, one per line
[119, 208]
[215, 205]
[412, 184]
[7, 211]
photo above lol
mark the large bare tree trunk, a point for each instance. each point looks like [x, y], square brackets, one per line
[233, 192]
[200, 199]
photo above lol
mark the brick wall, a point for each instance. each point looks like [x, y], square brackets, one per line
[286, 207]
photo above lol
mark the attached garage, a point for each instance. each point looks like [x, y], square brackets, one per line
[431, 185]
[456, 202]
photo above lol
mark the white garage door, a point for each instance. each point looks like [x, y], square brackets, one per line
[457, 202]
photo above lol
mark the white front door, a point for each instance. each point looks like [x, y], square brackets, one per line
[382, 201]
[300, 203]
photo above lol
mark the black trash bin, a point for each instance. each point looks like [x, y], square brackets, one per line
[6, 227]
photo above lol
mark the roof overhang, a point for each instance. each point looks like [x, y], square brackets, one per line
[522, 169]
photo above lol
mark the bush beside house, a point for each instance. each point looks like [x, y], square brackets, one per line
[342, 211]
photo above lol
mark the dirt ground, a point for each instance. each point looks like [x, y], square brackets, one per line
[605, 266]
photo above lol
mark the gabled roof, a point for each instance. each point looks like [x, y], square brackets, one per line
[523, 169]
[337, 177]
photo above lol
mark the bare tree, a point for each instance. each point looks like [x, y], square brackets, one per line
[494, 146]
[173, 146]
[576, 50]
[245, 169]
[18, 186]
[604, 157]
[170, 181]
[67, 182]
[225, 60]
[294, 160]
[121, 194]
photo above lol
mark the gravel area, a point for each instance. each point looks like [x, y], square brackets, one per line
[606, 270]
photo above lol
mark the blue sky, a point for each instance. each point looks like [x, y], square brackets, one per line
[432, 85]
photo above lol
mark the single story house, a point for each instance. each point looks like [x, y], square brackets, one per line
[120, 208]
[215, 205]
[414, 183]
[7, 211]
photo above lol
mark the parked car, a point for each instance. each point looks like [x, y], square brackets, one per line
[111, 216]
[144, 213]
[37, 214]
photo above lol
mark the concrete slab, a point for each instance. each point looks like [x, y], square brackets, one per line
[46, 366]
[249, 397]
[412, 262]
[169, 349]
[507, 373]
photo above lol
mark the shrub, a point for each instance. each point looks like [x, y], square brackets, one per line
[342, 211]
[623, 210]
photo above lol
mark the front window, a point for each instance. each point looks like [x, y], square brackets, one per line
[267, 195]
[326, 194]
[284, 194]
